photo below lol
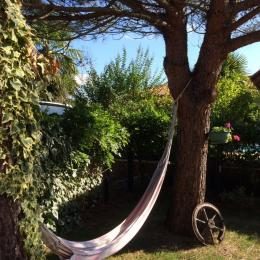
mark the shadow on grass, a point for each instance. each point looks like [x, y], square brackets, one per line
[153, 236]
[243, 219]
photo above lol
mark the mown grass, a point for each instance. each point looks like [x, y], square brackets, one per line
[154, 241]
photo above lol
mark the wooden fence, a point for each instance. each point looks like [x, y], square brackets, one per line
[221, 177]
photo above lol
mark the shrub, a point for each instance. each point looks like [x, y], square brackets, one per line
[75, 150]
[93, 131]
[237, 102]
[147, 119]
[124, 89]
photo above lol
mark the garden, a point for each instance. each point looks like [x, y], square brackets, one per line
[109, 122]
[81, 172]
[233, 163]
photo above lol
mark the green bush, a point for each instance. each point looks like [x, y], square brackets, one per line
[237, 102]
[147, 119]
[76, 148]
[93, 131]
[66, 190]
[124, 89]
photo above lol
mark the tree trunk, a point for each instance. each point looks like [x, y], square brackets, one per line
[190, 177]
[189, 186]
[11, 246]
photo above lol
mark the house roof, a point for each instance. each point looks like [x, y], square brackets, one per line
[256, 79]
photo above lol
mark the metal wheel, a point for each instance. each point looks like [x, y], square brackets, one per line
[208, 224]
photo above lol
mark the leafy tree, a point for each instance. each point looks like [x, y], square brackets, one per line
[63, 67]
[121, 79]
[226, 25]
[236, 100]
[125, 89]
[136, 115]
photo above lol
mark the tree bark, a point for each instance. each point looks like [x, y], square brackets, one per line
[193, 112]
[192, 143]
[11, 246]
[190, 177]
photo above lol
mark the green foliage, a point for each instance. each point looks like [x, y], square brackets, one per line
[94, 132]
[120, 79]
[234, 65]
[125, 90]
[76, 147]
[220, 129]
[236, 102]
[220, 135]
[19, 133]
[147, 119]
[55, 145]
[65, 189]
[63, 65]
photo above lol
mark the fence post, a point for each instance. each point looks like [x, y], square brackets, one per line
[130, 171]
[106, 192]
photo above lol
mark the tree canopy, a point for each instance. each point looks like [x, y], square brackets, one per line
[226, 25]
[121, 79]
[239, 19]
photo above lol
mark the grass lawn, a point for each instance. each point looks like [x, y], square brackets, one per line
[242, 240]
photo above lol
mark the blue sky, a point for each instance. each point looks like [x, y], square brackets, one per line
[102, 52]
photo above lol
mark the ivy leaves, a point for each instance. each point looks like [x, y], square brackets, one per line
[19, 132]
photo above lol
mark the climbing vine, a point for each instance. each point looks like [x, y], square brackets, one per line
[19, 134]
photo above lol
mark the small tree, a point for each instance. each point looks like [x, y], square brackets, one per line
[94, 132]
[120, 79]
[146, 139]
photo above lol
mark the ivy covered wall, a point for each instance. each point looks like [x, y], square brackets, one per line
[19, 136]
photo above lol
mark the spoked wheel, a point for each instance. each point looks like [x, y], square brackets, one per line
[208, 224]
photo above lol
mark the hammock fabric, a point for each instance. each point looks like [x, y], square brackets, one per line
[116, 239]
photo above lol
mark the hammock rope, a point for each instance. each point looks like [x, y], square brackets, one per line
[113, 241]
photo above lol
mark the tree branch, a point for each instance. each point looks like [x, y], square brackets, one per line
[80, 13]
[138, 6]
[244, 5]
[67, 9]
[241, 41]
[245, 18]
[134, 5]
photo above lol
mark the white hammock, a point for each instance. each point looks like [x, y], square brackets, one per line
[116, 239]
